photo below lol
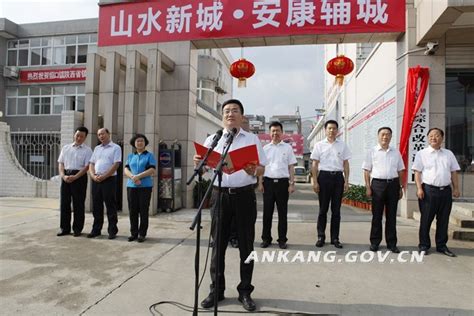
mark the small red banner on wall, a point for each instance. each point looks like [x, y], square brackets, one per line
[184, 20]
[295, 140]
[53, 75]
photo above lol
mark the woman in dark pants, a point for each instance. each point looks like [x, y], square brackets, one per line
[140, 168]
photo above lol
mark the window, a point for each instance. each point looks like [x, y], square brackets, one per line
[22, 106]
[11, 59]
[70, 54]
[47, 56]
[58, 104]
[207, 94]
[35, 56]
[44, 100]
[11, 106]
[45, 51]
[59, 57]
[23, 57]
[82, 54]
[459, 134]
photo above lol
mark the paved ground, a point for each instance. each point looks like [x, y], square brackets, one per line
[42, 274]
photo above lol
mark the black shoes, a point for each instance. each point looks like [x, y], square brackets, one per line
[320, 242]
[424, 249]
[336, 243]
[247, 302]
[112, 236]
[141, 238]
[394, 249]
[208, 302]
[265, 244]
[282, 244]
[93, 235]
[132, 238]
[63, 233]
[374, 248]
[77, 234]
[446, 252]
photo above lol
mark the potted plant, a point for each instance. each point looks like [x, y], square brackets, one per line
[355, 196]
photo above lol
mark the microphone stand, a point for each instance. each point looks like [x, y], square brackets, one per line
[197, 219]
[217, 213]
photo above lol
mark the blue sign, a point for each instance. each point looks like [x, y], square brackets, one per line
[165, 159]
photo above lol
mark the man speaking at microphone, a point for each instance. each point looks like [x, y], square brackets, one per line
[239, 201]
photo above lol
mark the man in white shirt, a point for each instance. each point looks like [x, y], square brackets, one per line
[330, 170]
[384, 166]
[73, 165]
[276, 184]
[239, 201]
[435, 171]
[103, 171]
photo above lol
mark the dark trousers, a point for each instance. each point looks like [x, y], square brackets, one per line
[275, 192]
[331, 188]
[104, 192]
[242, 206]
[384, 196]
[75, 191]
[138, 204]
[437, 202]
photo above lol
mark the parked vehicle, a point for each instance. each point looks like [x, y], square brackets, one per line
[302, 175]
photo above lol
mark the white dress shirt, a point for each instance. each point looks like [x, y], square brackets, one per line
[383, 164]
[105, 156]
[435, 166]
[279, 157]
[242, 139]
[331, 156]
[75, 157]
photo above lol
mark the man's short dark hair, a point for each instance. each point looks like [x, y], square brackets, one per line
[275, 124]
[436, 129]
[234, 101]
[385, 127]
[330, 122]
[82, 129]
[137, 136]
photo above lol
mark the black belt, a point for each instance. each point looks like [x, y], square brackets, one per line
[437, 188]
[276, 180]
[385, 180]
[69, 172]
[333, 173]
[231, 191]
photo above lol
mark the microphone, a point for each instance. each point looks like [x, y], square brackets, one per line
[216, 139]
[231, 135]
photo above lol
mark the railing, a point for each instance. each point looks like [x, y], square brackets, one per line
[37, 152]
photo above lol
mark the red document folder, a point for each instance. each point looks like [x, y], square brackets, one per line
[236, 159]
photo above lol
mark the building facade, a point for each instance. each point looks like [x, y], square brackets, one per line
[439, 36]
[55, 78]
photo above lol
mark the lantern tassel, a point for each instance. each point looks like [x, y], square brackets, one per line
[340, 80]
[242, 83]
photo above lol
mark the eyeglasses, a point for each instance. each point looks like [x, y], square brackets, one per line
[233, 111]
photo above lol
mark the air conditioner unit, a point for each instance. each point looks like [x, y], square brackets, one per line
[11, 72]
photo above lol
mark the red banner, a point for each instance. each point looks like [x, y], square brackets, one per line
[184, 20]
[52, 75]
[295, 140]
[413, 99]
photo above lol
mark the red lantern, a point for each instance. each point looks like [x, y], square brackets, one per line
[340, 66]
[242, 69]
